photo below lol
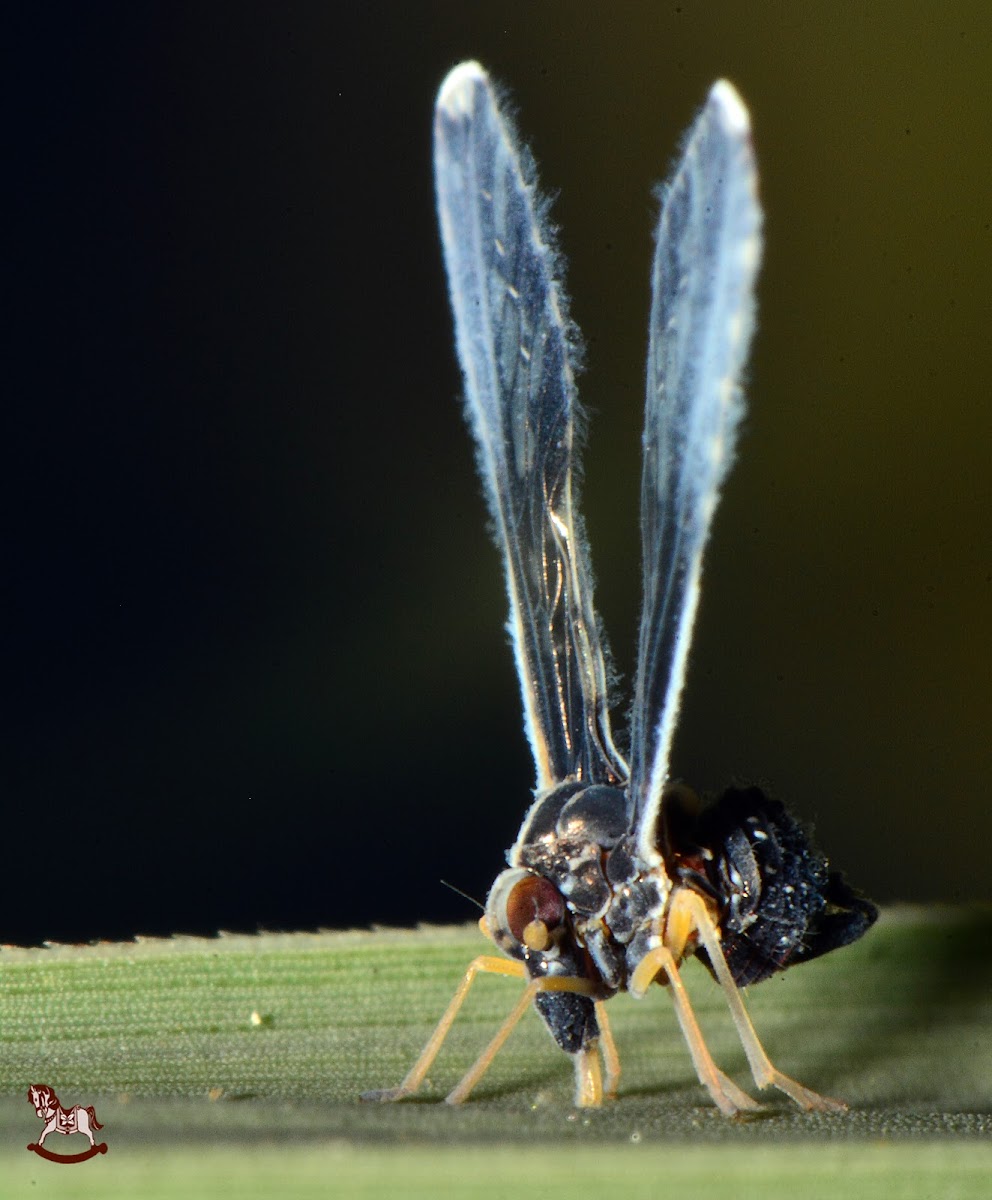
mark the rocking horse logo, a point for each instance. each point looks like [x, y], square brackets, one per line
[65, 1121]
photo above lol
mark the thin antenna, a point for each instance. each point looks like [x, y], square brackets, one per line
[464, 895]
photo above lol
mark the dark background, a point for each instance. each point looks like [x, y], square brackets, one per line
[254, 670]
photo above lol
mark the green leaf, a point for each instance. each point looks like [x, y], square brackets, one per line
[198, 1052]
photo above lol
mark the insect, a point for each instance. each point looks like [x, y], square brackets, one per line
[618, 874]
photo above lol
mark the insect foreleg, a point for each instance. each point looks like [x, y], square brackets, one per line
[611, 1059]
[485, 963]
[588, 1081]
[588, 1078]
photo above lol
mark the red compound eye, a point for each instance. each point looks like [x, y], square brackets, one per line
[533, 899]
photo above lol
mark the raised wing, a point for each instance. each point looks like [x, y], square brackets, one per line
[514, 342]
[702, 314]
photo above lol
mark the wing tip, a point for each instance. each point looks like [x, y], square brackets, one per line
[456, 92]
[730, 108]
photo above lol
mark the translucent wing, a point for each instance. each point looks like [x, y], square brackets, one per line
[514, 341]
[702, 314]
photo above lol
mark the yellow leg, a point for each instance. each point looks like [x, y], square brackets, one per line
[589, 1093]
[588, 1078]
[485, 963]
[611, 1059]
[688, 906]
[727, 1096]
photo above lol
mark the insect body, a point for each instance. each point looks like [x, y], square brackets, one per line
[617, 874]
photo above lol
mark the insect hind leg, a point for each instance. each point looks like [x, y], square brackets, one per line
[688, 913]
[726, 1095]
